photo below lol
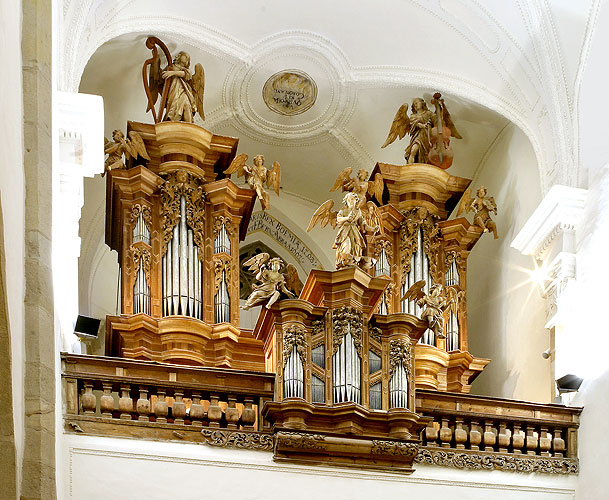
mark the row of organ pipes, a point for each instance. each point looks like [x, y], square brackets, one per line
[141, 288]
[346, 371]
[293, 376]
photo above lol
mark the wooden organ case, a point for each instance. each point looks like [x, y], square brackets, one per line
[176, 223]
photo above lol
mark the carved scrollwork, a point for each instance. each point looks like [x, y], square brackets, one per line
[375, 332]
[497, 461]
[380, 245]
[394, 448]
[139, 254]
[233, 439]
[399, 353]
[347, 320]
[221, 220]
[419, 218]
[146, 212]
[180, 184]
[294, 335]
[222, 264]
[299, 440]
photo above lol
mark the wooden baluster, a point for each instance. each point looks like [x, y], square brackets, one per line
[460, 434]
[248, 415]
[161, 410]
[71, 385]
[475, 436]
[142, 406]
[178, 408]
[431, 434]
[106, 401]
[504, 437]
[214, 412]
[196, 409]
[517, 439]
[490, 435]
[531, 441]
[446, 434]
[125, 403]
[232, 413]
[558, 443]
[545, 442]
[88, 399]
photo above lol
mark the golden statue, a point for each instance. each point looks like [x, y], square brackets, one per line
[131, 148]
[434, 303]
[360, 185]
[429, 132]
[482, 206]
[272, 282]
[258, 177]
[353, 222]
[181, 90]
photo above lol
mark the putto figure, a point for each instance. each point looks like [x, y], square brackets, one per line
[360, 185]
[272, 282]
[482, 206]
[352, 223]
[129, 148]
[429, 132]
[434, 304]
[258, 177]
[181, 90]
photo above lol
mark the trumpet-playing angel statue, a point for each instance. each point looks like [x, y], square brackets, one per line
[258, 176]
[482, 206]
[272, 282]
[133, 147]
[434, 304]
[352, 222]
[181, 90]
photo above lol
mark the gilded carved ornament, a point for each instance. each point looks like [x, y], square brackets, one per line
[235, 439]
[294, 336]
[139, 254]
[399, 354]
[299, 440]
[395, 448]
[380, 245]
[347, 320]
[222, 265]
[221, 220]
[180, 184]
[146, 213]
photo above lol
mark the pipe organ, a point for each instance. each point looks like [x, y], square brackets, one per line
[174, 223]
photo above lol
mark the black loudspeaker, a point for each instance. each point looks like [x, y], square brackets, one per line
[87, 327]
[568, 383]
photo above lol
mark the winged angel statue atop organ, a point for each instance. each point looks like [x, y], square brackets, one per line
[360, 185]
[434, 304]
[181, 90]
[429, 132]
[133, 147]
[258, 177]
[272, 282]
[353, 222]
[482, 206]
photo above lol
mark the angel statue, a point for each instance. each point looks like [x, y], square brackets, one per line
[429, 132]
[272, 281]
[258, 177]
[131, 148]
[181, 90]
[360, 185]
[353, 223]
[482, 207]
[434, 304]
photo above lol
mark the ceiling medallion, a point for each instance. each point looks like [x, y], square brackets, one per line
[289, 92]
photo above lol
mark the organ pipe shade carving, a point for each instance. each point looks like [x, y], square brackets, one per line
[182, 270]
[293, 375]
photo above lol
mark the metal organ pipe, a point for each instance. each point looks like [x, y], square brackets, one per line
[346, 370]
[293, 376]
[141, 289]
[181, 271]
[398, 388]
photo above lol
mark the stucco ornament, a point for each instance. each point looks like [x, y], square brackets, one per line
[289, 92]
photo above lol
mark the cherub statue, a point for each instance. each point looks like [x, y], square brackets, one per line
[434, 304]
[424, 125]
[352, 223]
[482, 207]
[258, 177]
[360, 185]
[181, 90]
[131, 148]
[272, 282]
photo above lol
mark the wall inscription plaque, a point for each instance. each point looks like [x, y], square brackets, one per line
[289, 92]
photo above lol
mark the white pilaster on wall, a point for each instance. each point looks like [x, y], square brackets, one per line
[549, 236]
[79, 141]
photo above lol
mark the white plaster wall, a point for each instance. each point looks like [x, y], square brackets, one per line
[12, 195]
[134, 470]
[505, 309]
